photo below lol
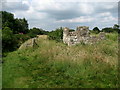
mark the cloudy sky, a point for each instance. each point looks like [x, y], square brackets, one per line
[52, 14]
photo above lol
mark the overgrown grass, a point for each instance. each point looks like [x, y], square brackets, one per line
[55, 65]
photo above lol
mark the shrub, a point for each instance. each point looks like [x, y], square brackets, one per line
[36, 31]
[56, 35]
[21, 38]
[110, 30]
[8, 40]
[96, 30]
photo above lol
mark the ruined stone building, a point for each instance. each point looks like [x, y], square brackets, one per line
[81, 35]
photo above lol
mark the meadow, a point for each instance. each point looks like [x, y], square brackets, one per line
[55, 65]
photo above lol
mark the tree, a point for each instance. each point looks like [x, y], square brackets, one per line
[16, 25]
[7, 20]
[96, 30]
[56, 35]
[8, 40]
[116, 26]
[21, 26]
[71, 30]
[34, 31]
[107, 30]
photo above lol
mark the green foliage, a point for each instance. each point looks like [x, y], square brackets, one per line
[112, 36]
[107, 30]
[7, 20]
[56, 35]
[33, 32]
[96, 30]
[21, 38]
[15, 31]
[21, 26]
[11, 27]
[8, 40]
[116, 26]
[55, 65]
[36, 31]
[71, 30]
[110, 29]
[16, 25]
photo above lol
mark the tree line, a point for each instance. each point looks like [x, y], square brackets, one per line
[113, 29]
[15, 31]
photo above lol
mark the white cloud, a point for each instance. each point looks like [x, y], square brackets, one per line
[12, 0]
[86, 8]
[15, 6]
[46, 1]
[80, 0]
[31, 14]
[50, 5]
[104, 14]
[81, 19]
[109, 19]
[26, 2]
[109, 5]
[106, 17]
[50, 14]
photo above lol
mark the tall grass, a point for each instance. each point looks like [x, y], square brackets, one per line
[55, 65]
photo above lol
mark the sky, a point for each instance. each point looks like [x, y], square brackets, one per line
[52, 14]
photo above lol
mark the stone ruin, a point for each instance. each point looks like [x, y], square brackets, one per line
[81, 35]
[29, 43]
[32, 42]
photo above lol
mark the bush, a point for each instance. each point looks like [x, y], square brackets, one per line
[36, 31]
[21, 38]
[110, 30]
[56, 35]
[8, 40]
[96, 30]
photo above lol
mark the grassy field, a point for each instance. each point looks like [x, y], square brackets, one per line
[55, 65]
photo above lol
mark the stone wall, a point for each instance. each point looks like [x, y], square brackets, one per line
[81, 35]
[29, 43]
[33, 42]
